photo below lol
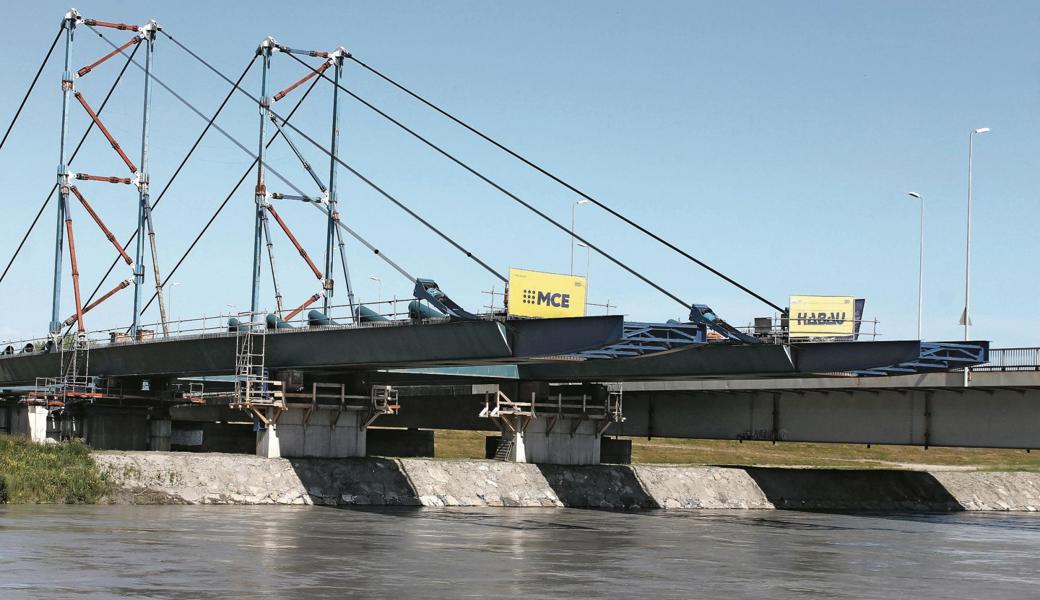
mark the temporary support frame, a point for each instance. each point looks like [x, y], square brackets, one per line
[69, 23]
[267, 47]
[139, 176]
[327, 200]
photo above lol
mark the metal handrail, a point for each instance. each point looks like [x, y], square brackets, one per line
[1011, 359]
[217, 325]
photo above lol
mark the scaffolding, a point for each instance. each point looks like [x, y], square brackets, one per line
[254, 390]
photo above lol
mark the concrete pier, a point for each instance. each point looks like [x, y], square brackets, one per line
[563, 442]
[268, 442]
[161, 431]
[334, 424]
[561, 425]
[319, 432]
[33, 422]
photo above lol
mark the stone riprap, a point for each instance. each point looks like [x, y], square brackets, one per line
[193, 478]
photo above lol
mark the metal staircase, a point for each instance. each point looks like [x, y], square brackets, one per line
[505, 447]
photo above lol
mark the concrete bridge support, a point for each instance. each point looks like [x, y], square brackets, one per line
[25, 420]
[556, 425]
[31, 421]
[161, 430]
[332, 425]
[562, 442]
[320, 433]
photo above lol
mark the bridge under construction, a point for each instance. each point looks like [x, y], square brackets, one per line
[317, 376]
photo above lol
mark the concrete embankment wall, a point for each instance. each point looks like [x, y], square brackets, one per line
[190, 478]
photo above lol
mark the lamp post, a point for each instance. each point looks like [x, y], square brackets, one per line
[573, 207]
[588, 260]
[379, 287]
[920, 267]
[169, 300]
[966, 316]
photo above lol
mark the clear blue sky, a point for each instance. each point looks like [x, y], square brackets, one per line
[777, 141]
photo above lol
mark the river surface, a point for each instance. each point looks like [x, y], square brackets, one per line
[311, 552]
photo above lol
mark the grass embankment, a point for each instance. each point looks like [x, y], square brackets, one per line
[48, 473]
[470, 444]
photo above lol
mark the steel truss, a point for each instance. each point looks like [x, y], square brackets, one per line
[326, 199]
[139, 178]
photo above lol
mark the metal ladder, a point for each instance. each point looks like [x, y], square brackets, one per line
[252, 384]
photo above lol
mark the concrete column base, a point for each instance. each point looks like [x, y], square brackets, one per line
[563, 442]
[36, 423]
[161, 430]
[268, 442]
[321, 433]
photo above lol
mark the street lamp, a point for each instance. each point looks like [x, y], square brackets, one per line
[170, 298]
[920, 267]
[588, 260]
[966, 316]
[573, 207]
[379, 284]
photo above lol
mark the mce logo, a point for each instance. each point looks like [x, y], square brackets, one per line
[554, 299]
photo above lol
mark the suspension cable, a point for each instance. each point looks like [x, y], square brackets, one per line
[485, 179]
[83, 139]
[32, 85]
[353, 171]
[562, 182]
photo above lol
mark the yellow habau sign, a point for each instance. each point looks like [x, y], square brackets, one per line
[546, 295]
[822, 316]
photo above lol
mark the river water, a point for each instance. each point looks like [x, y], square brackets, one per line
[311, 552]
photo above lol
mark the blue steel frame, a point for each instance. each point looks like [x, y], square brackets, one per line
[937, 356]
[260, 217]
[69, 23]
[144, 206]
[649, 338]
[147, 33]
[333, 237]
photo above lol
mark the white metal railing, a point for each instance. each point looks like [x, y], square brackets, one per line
[394, 310]
[1011, 359]
[778, 331]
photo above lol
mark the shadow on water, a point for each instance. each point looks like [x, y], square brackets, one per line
[853, 490]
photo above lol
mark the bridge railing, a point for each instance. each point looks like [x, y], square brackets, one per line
[395, 311]
[776, 329]
[1011, 359]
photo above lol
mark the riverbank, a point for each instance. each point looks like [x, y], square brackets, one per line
[190, 478]
[61, 473]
